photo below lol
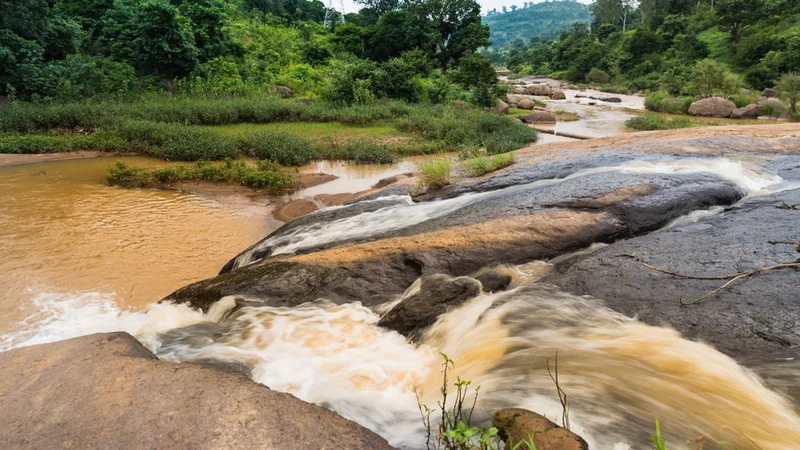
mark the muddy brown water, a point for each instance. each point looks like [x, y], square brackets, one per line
[63, 229]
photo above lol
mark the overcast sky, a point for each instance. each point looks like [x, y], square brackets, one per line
[486, 5]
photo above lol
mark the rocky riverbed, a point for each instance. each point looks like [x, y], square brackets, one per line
[546, 256]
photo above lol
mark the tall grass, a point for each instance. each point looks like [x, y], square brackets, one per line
[166, 127]
[652, 122]
[481, 165]
[434, 174]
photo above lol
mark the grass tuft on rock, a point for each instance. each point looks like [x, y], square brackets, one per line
[481, 165]
[434, 174]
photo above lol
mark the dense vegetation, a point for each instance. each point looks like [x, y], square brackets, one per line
[418, 50]
[534, 20]
[684, 48]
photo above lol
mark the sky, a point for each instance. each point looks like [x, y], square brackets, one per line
[486, 5]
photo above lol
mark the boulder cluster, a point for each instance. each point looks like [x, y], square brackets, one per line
[765, 107]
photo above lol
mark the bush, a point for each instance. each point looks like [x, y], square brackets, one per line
[283, 148]
[597, 76]
[651, 122]
[660, 102]
[434, 174]
[264, 176]
[175, 142]
[361, 151]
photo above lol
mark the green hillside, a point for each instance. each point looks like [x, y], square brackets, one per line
[534, 20]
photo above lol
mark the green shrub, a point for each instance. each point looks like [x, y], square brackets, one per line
[362, 151]
[264, 176]
[651, 122]
[283, 148]
[661, 102]
[742, 100]
[597, 76]
[434, 174]
[175, 142]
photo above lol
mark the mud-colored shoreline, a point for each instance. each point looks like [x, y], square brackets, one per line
[16, 160]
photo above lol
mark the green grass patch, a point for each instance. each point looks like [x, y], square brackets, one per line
[289, 133]
[650, 122]
[265, 175]
[434, 174]
[481, 165]
[565, 116]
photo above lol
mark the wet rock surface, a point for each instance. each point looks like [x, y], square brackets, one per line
[754, 315]
[107, 390]
[519, 425]
[437, 295]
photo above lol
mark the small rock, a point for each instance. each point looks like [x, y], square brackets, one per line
[540, 117]
[517, 424]
[746, 112]
[712, 107]
[501, 108]
[580, 96]
[525, 104]
[281, 91]
[558, 95]
[770, 93]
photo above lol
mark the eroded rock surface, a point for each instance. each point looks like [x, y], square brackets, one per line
[108, 391]
[519, 425]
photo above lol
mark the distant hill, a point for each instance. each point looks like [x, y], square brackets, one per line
[535, 20]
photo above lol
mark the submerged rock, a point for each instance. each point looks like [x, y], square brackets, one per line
[108, 391]
[437, 295]
[518, 425]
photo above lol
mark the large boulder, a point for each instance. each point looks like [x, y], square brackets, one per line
[558, 95]
[540, 117]
[538, 89]
[108, 391]
[770, 93]
[517, 425]
[746, 112]
[501, 108]
[437, 294]
[712, 107]
[525, 104]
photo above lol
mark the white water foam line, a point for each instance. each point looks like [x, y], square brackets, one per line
[752, 179]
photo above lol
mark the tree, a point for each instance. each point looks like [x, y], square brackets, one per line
[152, 36]
[789, 86]
[737, 15]
[710, 77]
[513, 7]
[455, 26]
[505, 9]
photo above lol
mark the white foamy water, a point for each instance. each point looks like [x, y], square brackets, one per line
[619, 373]
[751, 178]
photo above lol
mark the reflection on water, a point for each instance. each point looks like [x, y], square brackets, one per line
[63, 229]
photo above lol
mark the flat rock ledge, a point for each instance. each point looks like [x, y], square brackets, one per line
[108, 391]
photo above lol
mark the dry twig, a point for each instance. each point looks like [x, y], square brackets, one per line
[731, 278]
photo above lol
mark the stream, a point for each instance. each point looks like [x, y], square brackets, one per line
[82, 257]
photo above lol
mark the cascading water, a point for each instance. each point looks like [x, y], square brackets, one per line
[620, 374]
[751, 178]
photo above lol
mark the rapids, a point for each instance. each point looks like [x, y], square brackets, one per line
[620, 374]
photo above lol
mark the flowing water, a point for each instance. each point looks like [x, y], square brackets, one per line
[620, 374]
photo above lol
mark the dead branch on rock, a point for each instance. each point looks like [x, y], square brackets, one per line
[731, 278]
[562, 396]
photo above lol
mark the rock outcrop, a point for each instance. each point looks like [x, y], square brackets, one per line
[281, 91]
[712, 107]
[746, 112]
[558, 95]
[540, 117]
[538, 89]
[519, 425]
[437, 295]
[108, 391]
[770, 93]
